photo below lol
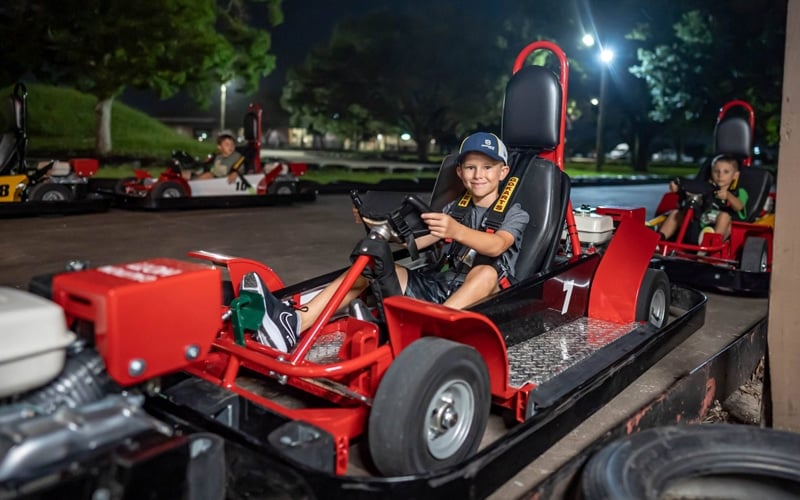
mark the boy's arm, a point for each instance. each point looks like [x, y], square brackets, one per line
[426, 241]
[735, 203]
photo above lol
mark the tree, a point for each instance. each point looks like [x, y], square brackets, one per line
[103, 46]
[412, 72]
[711, 57]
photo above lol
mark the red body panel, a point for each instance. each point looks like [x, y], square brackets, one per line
[84, 167]
[238, 267]
[150, 317]
[409, 319]
[616, 283]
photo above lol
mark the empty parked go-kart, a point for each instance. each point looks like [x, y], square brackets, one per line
[411, 384]
[31, 189]
[740, 264]
[256, 185]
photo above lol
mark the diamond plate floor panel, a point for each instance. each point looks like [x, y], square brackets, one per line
[545, 356]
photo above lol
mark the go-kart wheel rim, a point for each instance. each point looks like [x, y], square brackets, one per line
[763, 265]
[450, 414]
[658, 307]
[172, 192]
[53, 196]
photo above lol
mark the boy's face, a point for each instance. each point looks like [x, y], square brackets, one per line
[481, 175]
[226, 146]
[724, 172]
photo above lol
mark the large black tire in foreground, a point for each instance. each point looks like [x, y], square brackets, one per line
[732, 461]
[431, 408]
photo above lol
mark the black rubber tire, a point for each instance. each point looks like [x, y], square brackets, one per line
[647, 464]
[653, 301]
[48, 191]
[119, 187]
[754, 255]
[168, 189]
[431, 377]
[283, 188]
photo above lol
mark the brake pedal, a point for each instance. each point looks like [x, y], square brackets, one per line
[359, 310]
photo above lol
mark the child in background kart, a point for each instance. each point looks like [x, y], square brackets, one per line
[226, 163]
[482, 261]
[727, 203]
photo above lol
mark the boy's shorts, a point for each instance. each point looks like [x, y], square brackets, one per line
[430, 287]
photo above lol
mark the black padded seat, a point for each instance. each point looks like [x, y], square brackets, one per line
[757, 182]
[531, 125]
[13, 144]
[8, 149]
[733, 137]
[249, 149]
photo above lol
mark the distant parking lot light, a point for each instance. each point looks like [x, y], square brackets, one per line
[405, 136]
[594, 101]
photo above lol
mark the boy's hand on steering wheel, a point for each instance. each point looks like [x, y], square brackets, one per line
[357, 216]
[441, 225]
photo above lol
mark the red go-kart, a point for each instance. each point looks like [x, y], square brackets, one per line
[740, 264]
[273, 178]
[413, 384]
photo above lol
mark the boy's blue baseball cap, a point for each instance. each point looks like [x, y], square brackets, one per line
[486, 143]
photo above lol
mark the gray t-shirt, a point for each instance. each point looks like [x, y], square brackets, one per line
[514, 222]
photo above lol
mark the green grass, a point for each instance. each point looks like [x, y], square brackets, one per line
[62, 120]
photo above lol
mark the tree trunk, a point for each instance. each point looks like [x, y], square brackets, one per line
[102, 133]
[422, 147]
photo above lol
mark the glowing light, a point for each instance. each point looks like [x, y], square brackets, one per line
[405, 136]
[607, 55]
[588, 40]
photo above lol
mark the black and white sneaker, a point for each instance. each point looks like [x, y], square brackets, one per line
[281, 324]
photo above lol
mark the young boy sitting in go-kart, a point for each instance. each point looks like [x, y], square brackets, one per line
[480, 259]
[727, 203]
[226, 163]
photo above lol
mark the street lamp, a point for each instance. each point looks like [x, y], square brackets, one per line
[223, 90]
[606, 56]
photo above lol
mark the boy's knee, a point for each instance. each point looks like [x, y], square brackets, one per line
[484, 272]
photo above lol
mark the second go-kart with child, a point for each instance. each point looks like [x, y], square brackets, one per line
[257, 183]
[740, 263]
[389, 395]
[48, 187]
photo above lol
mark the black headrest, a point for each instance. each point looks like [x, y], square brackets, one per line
[532, 110]
[732, 136]
[250, 126]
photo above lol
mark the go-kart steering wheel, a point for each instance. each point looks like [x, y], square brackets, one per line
[182, 159]
[395, 217]
[692, 193]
